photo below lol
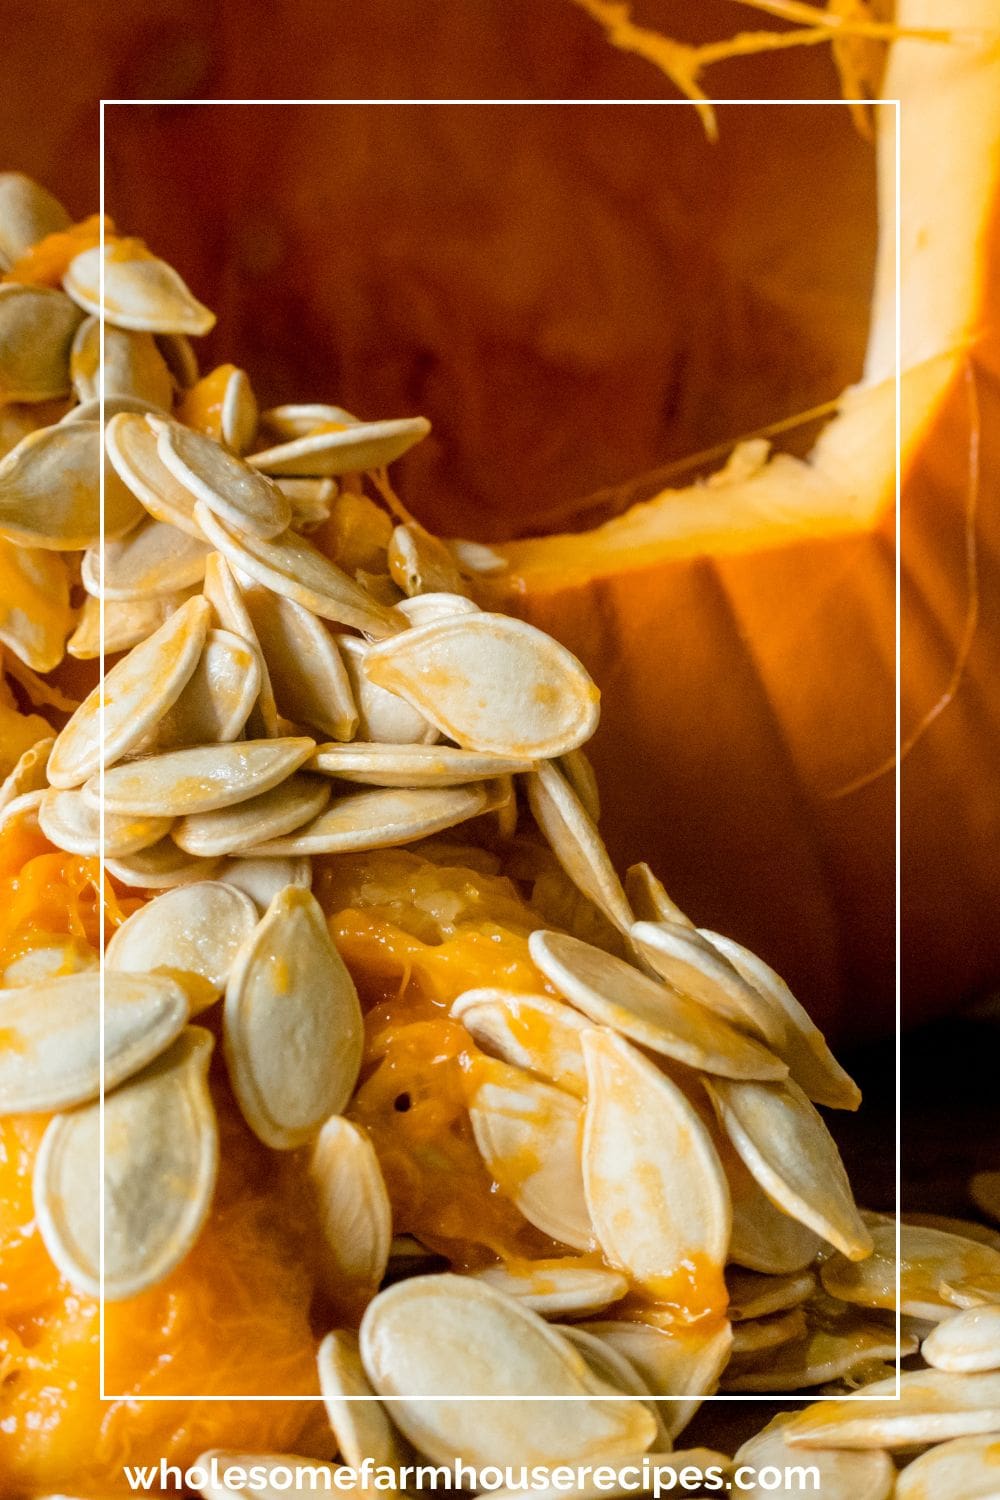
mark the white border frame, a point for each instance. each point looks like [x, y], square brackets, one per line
[894, 104]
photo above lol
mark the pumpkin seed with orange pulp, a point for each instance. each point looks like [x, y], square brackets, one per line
[383, 717]
[28, 773]
[160, 1160]
[754, 1296]
[964, 1469]
[558, 1288]
[37, 325]
[528, 1134]
[789, 1150]
[53, 1039]
[155, 558]
[222, 405]
[354, 1211]
[931, 1407]
[200, 779]
[842, 1475]
[362, 1428]
[293, 567]
[28, 212]
[576, 843]
[216, 702]
[654, 1186]
[340, 445]
[380, 819]
[929, 1259]
[689, 963]
[533, 1032]
[131, 446]
[130, 700]
[307, 673]
[50, 490]
[293, 1032]
[374, 764]
[490, 682]
[132, 365]
[140, 291]
[192, 932]
[432, 1337]
[72, 823]
[126, 624]
[35, 613]
[227, 830]
[613, 993]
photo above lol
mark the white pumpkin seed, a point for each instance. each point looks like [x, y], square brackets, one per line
[28, 773]
[787, 1147]
[52, 1032]
[192, 933]
[614, 994]
[931, 1408]
[130, 700]
[155, 558]
[37, 325]
[764, 1238]
[558, 1288]
[227, 830]
[421, 564]
[22, 812]
[607, 1364]
[578, 771]
[929, 1258]
[355, 1214]
[291, 566]
[239, 413]
[654, 1186]
[842, 1475]
[476, 557]
[225, 596]
[433, 1337]
[423, 608]
[361, 1428]
[90, 411]
[160, 1161]
[159, 868]
[649, 898]
[970, 1341]
[197, 780]
[972, 1291]
[688, 963]
[837, 1342]
[140, 291]
[126, 624]
[576, 843]
[50, 490]
[293, 1031]
[72, 823]
[132, 365]
[299, 418]
[490, 682]
[311, 501]
[28, 213]
[216, 702]
[533, 1032]
[754, 1296]
[307, 673]
[262, 879]
[811, 1063]
[220, 481]
[673, 1360]
[964, 1469]
[528, 1135]
[411, 765]
[379, 819]
[132, 449]
[36, 617]
[756, 1334]
[383, 718]
[343, 448]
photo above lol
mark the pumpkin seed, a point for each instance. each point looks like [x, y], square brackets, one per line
[262, 879]
[379, 819]
[192, 933]
[578, 771]
[307, 673]
[350, 447]
[126, 624]
[576, 843]
[220, 481]
[411, 765]
[361, 1428]
[131, 446]
[972, 1291]
[72, 823]
[90, 411]
[215, 705]
[431, 1337]
[789, 1150]
[421, 564]
[238, 414]
[754, 1296]
[132, 365]
[383, 718]
[36, 620]
[50, 490]
[310, 499]
[160, 1160]
[28, 213]
[673, 1360]
[984, 1189]
[837, 1341]
[970, 1341]
[224, 594]
[160, 867]
[607, 1364]
[929, 1258]
[131, 699]
[293, 1032]
[756, 1334]
[51, 1058]
[558, 1288]
[29, 773]
[197, 780]
[967, 1229]
[182, 362]
[528, 1135]
[931, 1408]
[140, 291]
[37, 325]
[964, 1469]
[649, 898]
[355, 1214]
[422, 609]
[533, 1032]
[22, 812]
[654, 1186]
[299, 418]
[614, 994]
[226, 830]
[842, 1475]
[689, 964]
[811, 1063]
[490, 682]
[155, 558]
[291, 566]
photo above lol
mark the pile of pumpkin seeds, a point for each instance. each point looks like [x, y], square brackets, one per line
[652, 1109]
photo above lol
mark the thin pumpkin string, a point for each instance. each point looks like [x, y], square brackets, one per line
[950, 692]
